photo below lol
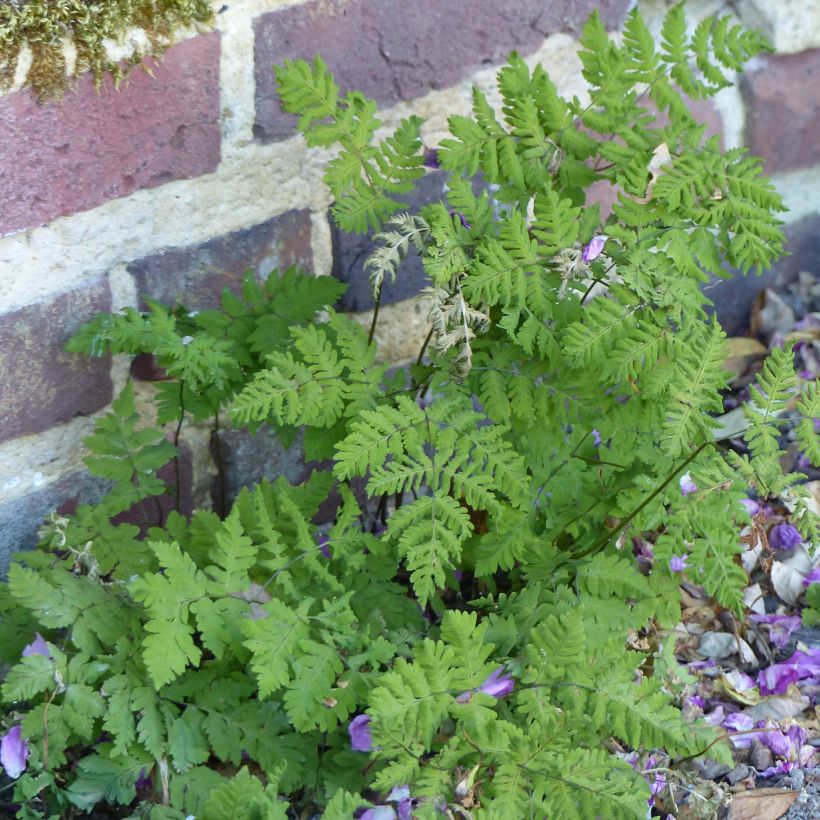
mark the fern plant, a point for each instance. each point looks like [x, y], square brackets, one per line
[454, 638]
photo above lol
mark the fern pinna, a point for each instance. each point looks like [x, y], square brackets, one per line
[454, 640]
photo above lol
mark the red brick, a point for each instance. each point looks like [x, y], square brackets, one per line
[782, 96]
[396, 50]
[41, 384]
[196, 275]
[60, 158]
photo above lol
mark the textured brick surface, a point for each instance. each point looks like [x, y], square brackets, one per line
[782, 98]
[40, 384]
[351, 250]
[396, 50]
[247, 458]
[196, 275]
[59, 158]
[21, 518]
[733, 298]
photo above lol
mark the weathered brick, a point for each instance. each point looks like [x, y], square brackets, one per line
[41, 384]
[197, 274]
[21, 518]
[394, 50]
[782, 96]
[60, 158]
[734, 297]
[245, 458]
[351, 250]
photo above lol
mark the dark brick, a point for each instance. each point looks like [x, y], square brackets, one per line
[153, 511]
[42, 385]
[734, 297]
[196, 275]
[60, 158]
[394, 50]
[351, 250]
[782, 96]
[246, 458]
[21, 518]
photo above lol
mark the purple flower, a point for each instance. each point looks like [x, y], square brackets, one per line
[323, 546]
[687, 486]
[430, 158]
[812, 578]
[780, 627]
[750, 505]
[497, 684]
[596, 438]
[593, 250]
[784, 537]
[696, 701]
[37, 647]
[677, 563]
[461, 217]
[401, 796]
[13, 753]
[359, 731]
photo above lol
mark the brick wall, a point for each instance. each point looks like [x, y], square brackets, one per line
[173, 185]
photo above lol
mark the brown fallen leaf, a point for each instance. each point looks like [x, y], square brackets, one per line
[761, 804]
[743, 352]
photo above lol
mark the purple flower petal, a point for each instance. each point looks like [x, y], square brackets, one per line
[379, 813]
[780, 627]
[596, 438]
[687, 486]
[398, 793]
[324, 541]
[593, 250]
[13, 752]
[812, 578]
[776, 679]
[37, 647]
[750, 505]
[781, 768]
[497, 684]
[359, 731]
[777, 742]
[784, 537]
[677, 563]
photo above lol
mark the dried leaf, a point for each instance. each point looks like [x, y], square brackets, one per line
[780, 707]
[761, 804]
[742, 353]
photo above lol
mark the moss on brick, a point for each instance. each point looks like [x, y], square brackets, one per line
[44, 25]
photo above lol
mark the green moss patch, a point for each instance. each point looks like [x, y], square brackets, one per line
[45, 24]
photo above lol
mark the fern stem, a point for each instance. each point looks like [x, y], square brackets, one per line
[220, 466]
[376, 306]
[424, 347]
[602, 542]
[177, 466]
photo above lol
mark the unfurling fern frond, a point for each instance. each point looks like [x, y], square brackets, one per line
[392, 247]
